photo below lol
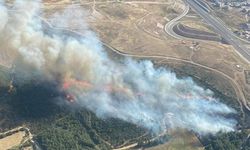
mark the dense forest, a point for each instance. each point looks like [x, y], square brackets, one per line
[83, 130]
[228, 141]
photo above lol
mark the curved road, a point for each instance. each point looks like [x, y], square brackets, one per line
[169, 26]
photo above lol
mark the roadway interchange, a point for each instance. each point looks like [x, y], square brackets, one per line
[201, 9]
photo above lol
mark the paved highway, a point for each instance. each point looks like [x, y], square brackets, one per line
[220, 28]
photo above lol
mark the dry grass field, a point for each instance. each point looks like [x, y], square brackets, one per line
[180, 140]
[12, 141]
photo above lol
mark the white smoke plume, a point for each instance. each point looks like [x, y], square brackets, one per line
[134, 91]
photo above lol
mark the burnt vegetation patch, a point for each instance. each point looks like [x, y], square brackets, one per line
[34, 100]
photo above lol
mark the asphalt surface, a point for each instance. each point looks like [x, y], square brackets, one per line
[220, 28]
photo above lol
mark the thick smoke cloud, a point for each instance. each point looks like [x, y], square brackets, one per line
[133, 91]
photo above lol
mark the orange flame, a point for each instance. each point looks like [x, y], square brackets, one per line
[70, 83]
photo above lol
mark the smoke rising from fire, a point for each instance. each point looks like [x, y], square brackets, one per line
[134, 91]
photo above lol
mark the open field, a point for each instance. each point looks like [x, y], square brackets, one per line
[18, 138]
[12, 140]
[180, 140]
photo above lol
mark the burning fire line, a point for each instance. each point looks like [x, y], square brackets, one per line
[85, 85]
[109, 88]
